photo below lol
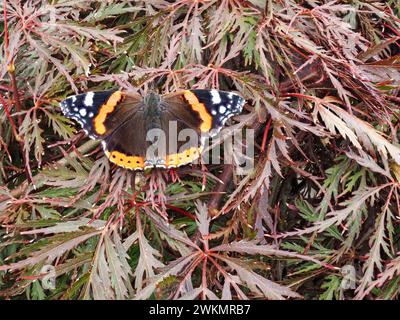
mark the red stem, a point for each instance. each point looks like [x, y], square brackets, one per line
[136, 204]
[14, 129]
[185, 213]
[264, 141]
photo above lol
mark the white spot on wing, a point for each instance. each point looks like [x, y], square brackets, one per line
[82, 112]
[222, 109]
[88, 99]
[215, 97]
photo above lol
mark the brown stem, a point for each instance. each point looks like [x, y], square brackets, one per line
[219, 190]
[227, 176]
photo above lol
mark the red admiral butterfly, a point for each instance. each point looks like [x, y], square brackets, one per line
[122, 121]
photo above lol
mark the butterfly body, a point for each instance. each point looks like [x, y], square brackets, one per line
[144, 132]
[152, 111]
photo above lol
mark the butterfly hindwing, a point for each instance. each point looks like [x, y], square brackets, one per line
[127, 145]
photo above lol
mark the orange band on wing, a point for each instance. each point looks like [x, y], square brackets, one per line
[138, 163]
[184, 157]
[105, 109]
[123, 160]
[206, 119]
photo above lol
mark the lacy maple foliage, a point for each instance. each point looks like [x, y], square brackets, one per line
[321, 80]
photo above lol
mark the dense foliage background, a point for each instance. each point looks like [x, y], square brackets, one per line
[317, 218]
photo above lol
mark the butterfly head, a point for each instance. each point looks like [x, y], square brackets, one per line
[152, 100]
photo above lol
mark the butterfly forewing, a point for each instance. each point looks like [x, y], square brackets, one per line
[100, 113]
[220, 105]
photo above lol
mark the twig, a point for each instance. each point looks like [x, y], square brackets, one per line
[11, 72]
[14, 129]
[225, 177]
[11, 66]
[266, 130]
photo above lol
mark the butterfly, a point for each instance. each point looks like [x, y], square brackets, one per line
[136, 131]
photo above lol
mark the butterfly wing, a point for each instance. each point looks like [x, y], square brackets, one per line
[213, 107]
[100, 113]
[197, 113]
[127, 145]
[116, 118]
[184, 144]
